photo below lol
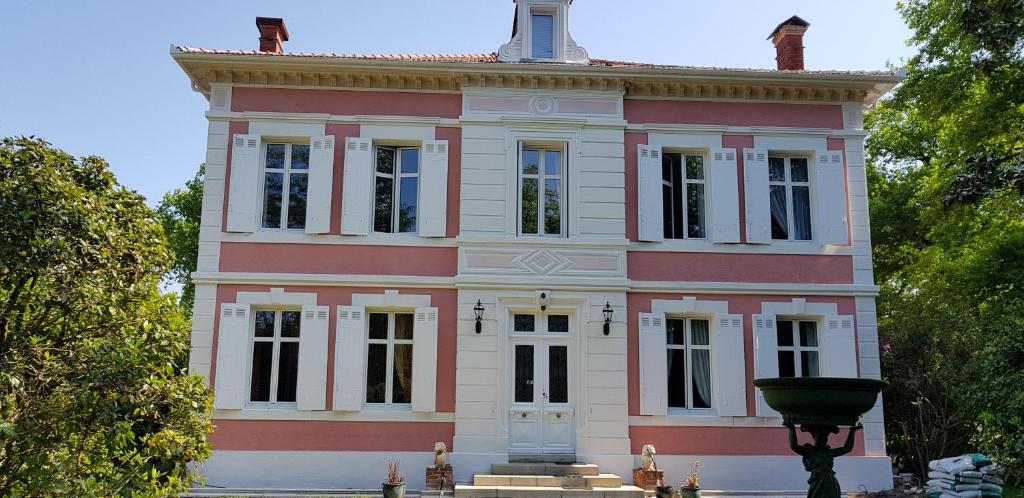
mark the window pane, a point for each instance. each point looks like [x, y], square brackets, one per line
[695, 211]
[695, 167]
[701, 378]
[553, 163]
[403, 326]
[297, 200]
[524, 373]
[677, 378]
[290, 323]
[801, 213]
[262, 360]
[410, 160]
[552, 206]
[780, 223]
[523, 323]
[666, 166]
[699, 333]
[678, 200]
[384, 201]
[666, 203]
[265, 323]
[401, 376]
[378, 325]
[675, 331]
[408, 188]
[809, 334]
[531, 161]
[543, 36]
[784, 331]
[558, 374]
[300, 156]
[275, 156]
[809, 363]
[558, 323]
[272, 200]
[287, 371]
[798, 169]
[529, 205]
[776, 169]
[787, 367]
[376, 372]
[386, 160]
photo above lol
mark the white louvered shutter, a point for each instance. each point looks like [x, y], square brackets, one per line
[766, 358]
[725, 197]
[230, 386]
[653, 365]
[840, 347]
[320, 185]
[356, 199]
[729, 385]
[432, 214]
[243, 194]
[756, 199]
[424, 360]
[348, 358]
[830, 190]
[312, 377]
[649, 205]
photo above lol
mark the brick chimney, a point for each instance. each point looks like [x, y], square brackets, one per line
[788, 38]
[272, 33]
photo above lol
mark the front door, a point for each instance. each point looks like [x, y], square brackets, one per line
[541, 413]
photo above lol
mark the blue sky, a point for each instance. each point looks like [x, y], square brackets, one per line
[96, 77]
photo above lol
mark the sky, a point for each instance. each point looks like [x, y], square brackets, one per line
[96, 78]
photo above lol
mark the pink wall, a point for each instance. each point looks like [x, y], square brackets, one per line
[338, 259]
[329, 435]
[733, 113]
[341, 132]
[738, 267]
[740, 142]
[681, 440]
[346, 102]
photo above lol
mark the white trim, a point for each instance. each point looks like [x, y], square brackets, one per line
[276, 296]
[775, 247]
[368, 414]
[274, 128]
[690, 305]
[571, 206]
[800, 308]
[379, 131]
[790, 143]
[391, 300]
[712, 139]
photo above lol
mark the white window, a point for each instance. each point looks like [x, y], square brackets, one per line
[542, 190]
[689, 363]
[396, 187]
[542, 36]
[789, 198]
[275, 356]
[683, 196]
[389, 359]
[285, 174]
[798, 348]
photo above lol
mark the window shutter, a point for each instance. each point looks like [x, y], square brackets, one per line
[758, 206]
[312, 378]
[649, 204]
[729, 385]
[349, 358]
[424, 360]
[766, 357]
[840, 347]
[831, 194]
[356, 199]
[321, 183]
[232, 357]
[243, 194]
[653, 365]
[725, 197]
[433, 206]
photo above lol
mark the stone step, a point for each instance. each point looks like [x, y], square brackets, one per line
[542, 457]
[469, 491]
[545, 469]
[600, 480]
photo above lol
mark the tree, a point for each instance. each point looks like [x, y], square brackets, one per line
[94, 396]
[179, 213]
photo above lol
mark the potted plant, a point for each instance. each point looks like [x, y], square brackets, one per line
[394, 485]
[691, 487]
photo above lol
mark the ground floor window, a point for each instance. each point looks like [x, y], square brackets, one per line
[798, 356]
[389, 358]
[689, 363]
[275, 356]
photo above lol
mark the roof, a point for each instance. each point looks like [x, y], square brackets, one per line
[792, 21]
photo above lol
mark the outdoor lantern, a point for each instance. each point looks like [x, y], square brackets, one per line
[479, 310]
[607, 317]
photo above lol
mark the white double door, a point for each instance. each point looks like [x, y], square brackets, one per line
[541, 416]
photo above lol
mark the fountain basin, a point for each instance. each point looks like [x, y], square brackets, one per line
[820, 400]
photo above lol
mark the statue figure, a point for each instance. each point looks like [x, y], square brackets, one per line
[647, 453]
[818, 457]
[440, 454]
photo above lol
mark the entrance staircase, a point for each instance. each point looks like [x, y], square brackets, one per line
[524, 479]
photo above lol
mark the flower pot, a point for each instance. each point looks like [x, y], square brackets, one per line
[685, 492]
[394, 490]
[664, 491]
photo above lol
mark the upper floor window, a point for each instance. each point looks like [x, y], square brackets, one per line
[389, 358]
[689, 363]
[396, 184]
[543, 36]
[683, 196]
[275, 356]
[285, 174]
[790, 198]
[798, 356]
[542, 190]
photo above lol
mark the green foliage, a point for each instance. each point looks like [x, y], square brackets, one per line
[94, 398]
[179, 213]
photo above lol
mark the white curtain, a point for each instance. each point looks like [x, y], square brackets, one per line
[778, 206]
[701, 361]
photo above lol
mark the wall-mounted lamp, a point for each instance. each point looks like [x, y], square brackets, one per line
[607, 317]
[479, 311]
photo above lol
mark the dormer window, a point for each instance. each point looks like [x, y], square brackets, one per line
[540, 33]
[543, 35]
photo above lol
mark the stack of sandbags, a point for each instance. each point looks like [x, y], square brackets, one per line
[967, 476]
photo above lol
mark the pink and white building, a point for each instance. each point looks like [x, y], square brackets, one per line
[357, 208]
